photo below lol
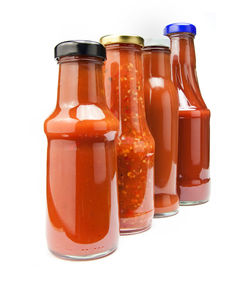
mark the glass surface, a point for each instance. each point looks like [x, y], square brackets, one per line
[193, 180]
[135, 144]
[82, 199]
[161, 101]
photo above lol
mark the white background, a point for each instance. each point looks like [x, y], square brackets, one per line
[203, 243]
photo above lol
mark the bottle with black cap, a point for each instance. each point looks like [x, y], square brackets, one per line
[82, 220]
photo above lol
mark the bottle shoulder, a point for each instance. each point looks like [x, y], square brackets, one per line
[194, 113]
[131, 138]
[186, 81]
[159, 83]
[191, 100]
[161, 95]
[136, 143]
[82, 120]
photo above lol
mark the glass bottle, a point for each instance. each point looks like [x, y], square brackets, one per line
[82, 221]
[161, 100]
[135, 144]
[193, 178]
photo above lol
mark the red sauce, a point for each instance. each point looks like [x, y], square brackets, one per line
[81, 164]
[162, 103]
[135, 145]
[193, 163]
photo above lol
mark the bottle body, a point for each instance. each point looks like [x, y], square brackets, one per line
[161, 101]
[193, 160]
[82, 221]
[194, 123]
[135, 144]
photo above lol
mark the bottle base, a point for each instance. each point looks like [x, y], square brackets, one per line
[137, 224]
[165, 214]
[86, 257]
[192, 203]
[124, 232]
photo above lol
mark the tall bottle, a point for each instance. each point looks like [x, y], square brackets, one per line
[161, 100]
[135, 144]
[194, 118]
[82, 221]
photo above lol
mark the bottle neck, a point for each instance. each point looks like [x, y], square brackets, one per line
[183, 71]
[124, 84]
[156, 62]
[80, 81]
[182, 49]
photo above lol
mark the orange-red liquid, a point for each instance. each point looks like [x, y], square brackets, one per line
[161, 100]
[81, 164]
[194, 130]
[135, 145]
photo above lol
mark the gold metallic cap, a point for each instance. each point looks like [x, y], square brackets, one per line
[129, 39]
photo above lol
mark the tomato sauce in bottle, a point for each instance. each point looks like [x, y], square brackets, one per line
[193, 178]
[161, 100]
[82, 202]
[135, 144]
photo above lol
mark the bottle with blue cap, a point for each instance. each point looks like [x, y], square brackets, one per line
[193, 179]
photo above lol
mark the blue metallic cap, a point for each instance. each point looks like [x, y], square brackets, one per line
[179, 27]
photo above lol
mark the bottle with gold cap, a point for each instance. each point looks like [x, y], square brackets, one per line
[135, 144]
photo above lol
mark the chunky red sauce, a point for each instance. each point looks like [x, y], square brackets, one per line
[81, 164]
[194, 130]
[161, 100]
[135, 145]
